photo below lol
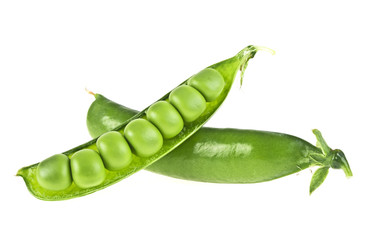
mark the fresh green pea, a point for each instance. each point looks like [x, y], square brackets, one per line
[87, 168]
[189, 102]
[144, 137]
[114, 150]
[166, 118]
[54, 174]
[208, 82]
[232, 155]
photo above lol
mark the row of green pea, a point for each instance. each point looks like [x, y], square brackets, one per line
[164, 120]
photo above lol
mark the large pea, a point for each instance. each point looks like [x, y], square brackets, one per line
[144, 137]
[209, 82]
[87, 168]
[114, 150]
[190, 103]
[53, 173]
[166, 118]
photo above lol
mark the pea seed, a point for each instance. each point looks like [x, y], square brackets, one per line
[189, 102]
[144, 137]
[166, 118]
[209, 82]
[54, 174]
[87, 168]
[114, 150]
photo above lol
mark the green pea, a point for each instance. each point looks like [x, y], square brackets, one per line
[144, 137]
[166, 118]
[87, 168]
[190, 103]
[54, 174]
[114, 150]
[209, 82]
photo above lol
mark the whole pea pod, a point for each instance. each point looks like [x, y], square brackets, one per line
[140, 141]
[229, 155]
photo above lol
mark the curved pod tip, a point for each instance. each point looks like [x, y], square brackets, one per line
[248, 53]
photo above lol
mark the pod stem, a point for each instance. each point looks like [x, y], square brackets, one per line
[266, 49]
[90, 92]
[327, 159]
[248, 53]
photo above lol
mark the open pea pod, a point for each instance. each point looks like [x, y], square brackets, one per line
[141, 140]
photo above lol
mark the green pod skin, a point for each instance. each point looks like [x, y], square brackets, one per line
[236, 156]
[230, 155]
[227, 68]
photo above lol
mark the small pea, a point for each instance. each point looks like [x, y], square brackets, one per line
[144, 137]
[189, 102]
[166, 118]
[54, 174]
[114, 150]
[209, 82]
[87, 168]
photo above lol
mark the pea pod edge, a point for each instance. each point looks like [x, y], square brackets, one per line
[227, 69]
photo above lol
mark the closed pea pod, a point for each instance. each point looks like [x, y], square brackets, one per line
[142, 158]
[233, 155]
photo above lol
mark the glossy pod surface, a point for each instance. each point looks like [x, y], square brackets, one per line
[227, 155]
[145, 139]
[236, 156]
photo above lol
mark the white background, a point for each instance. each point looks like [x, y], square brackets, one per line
[136, 51]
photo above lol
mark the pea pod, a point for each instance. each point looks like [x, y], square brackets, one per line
[147, 143]
[229, 155]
